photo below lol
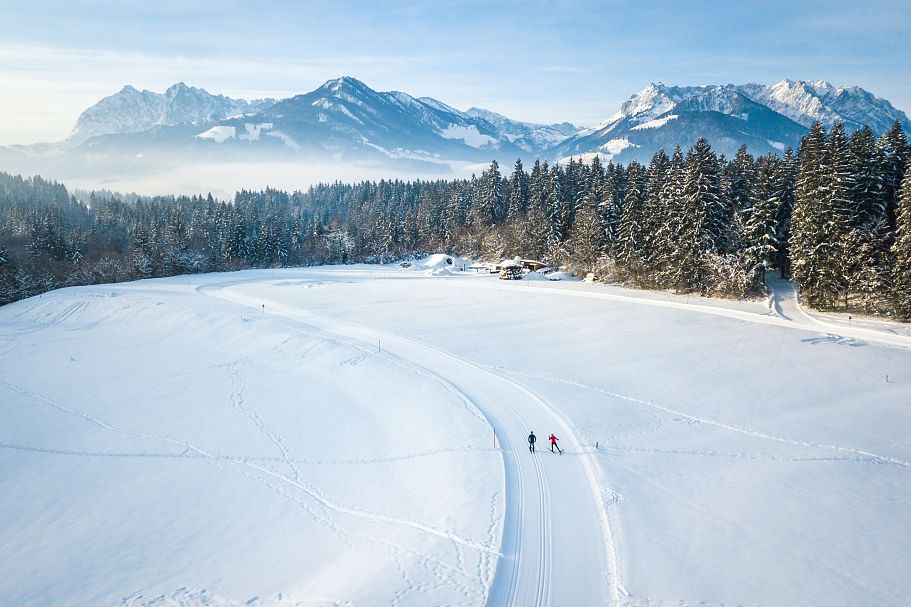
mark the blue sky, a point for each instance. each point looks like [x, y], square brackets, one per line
[540, 61]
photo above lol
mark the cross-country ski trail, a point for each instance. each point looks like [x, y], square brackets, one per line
[558, 547]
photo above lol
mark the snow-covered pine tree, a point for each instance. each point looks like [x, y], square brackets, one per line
[901, 249]
[531, 232]
[586, 241]
[264, 245]
[789, 169]
[894, 155]
[701, 226]
[740, 173]
[653, 215]
[518, 195]
[760, 230]
[810, 249]
[555, 212]
[838, 226]
[869, 239]
[867, 194]
[629, 235]
[573, 180]
[609, 207]
[669, 232]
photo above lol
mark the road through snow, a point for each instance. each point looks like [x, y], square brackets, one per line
[558, 547]
[786, 304]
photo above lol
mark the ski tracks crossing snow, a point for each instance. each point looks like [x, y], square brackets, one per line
[557, 545]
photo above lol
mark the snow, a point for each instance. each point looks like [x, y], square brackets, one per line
[253, 130]
[654, 124]
[421, 155]
[606, 151]
[615, 146]
[133, 111]
[532, 275]
[286, 139]
[649, 103]
[468, 135]
[440, 264]
[439, 105]
[522, 133]
[174, 442]
[219, 134]
[329, 105]
[560, 275]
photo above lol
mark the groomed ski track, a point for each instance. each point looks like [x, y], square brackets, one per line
[558, 547]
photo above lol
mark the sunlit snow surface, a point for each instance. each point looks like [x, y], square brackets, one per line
[324, 436]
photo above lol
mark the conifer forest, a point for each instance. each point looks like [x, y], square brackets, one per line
[835, 216]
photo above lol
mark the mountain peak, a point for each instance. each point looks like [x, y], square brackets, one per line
[343, 83]
[132, 111]
[806, 101]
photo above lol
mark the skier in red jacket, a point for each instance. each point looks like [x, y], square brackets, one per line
[553, 443]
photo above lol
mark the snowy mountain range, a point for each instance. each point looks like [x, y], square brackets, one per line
[133, 111]
[343, 119]
[767, 118]
[346, 121]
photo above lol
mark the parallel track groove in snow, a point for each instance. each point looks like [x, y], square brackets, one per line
[578, 563]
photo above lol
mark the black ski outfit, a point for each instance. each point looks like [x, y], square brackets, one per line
[531, 442]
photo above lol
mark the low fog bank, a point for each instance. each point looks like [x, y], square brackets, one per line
[223, 178]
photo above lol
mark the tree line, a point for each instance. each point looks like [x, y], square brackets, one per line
[836, 215]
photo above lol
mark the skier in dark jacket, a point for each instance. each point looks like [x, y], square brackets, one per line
[553, 443]
[531, 442]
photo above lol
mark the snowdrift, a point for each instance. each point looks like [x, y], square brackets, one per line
[440, 264]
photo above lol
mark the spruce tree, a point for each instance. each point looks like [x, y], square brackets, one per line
[701, 227]
[652, 213]
[669, 232]
[837, 228]
[609, 207]
[867, 195]
[894, 155]
[554, 207]
[901, 249]
[810, 241]
[518, 195]
[586, 237]
[789, 170]
[760, 233]
[629, 236]
[532, 233]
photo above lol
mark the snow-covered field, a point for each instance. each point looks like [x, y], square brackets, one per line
[356, 436]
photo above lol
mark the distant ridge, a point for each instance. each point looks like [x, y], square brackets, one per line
[344, 120]
[766, 118]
